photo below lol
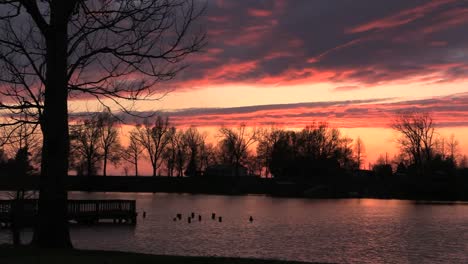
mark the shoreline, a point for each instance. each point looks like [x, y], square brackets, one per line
[28, 254]
[373, 189]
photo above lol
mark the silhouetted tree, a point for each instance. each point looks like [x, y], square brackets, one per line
[382, 168]
[417, 137]
[453, 147]
[254, 164]
[284, 155]
[208, 156]
[3, 159]
[54, 49]
[85, 150]
[170, 152]
[234, 145]
[133, 151]
[19, 141]
[154, 140]
[266, 140]
[463, 163]
[313, 153]
[359, 152]
[193, 140]
[108, 139]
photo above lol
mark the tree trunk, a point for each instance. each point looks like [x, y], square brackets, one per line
[136, 167]
[104, 166]
[16, 219]
[51, 230]
[89, 166]
[154, 164]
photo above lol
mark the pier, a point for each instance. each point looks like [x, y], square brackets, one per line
[79, 211]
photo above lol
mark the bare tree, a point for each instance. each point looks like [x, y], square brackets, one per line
[154, 140]
[108, 139]
[453, 147]
[207, 156]
[417, 137]
[235, 144]
[133, 151]
[359, 152]
[51, 50]
[266, 141]
[170, 151]
[193, 141]
[181, 153]
[85, 151]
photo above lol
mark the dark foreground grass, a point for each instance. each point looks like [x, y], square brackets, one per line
[28, 255]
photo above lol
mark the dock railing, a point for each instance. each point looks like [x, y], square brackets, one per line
[79, 211]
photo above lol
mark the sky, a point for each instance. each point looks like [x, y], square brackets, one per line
[351, 63]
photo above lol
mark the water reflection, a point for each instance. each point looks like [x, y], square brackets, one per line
[346, 231]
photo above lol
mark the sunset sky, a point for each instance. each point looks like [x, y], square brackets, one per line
[352, 63]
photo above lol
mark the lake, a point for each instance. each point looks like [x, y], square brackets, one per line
[340, 231]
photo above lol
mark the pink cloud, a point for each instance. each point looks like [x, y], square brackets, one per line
[259, 12]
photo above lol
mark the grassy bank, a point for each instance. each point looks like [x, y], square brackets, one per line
[27, 255]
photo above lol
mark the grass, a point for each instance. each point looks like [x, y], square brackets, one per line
[28, 255]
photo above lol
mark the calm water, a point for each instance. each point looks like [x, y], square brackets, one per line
[343, 231]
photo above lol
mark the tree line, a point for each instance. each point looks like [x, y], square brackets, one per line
[314, 152]
[96, 142]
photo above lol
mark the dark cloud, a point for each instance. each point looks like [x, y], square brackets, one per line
[448, 111]
[363, 41]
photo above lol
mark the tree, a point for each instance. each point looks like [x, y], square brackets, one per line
[235, 144]
[266, 140]
[453, 147]
[169, 154]
[51, 50]
[417, 137]
[314, 153]
[108, 139]
[22, 168]
[85, 151]
[382, 168]
[208, 156]
[20, 143]
[359, 152]
[154, 140]
[133, 151]
[193, 140]
[463, 162]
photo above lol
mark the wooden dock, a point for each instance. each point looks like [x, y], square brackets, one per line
[79, 211]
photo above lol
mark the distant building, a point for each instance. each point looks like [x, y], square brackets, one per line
[226, 170]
